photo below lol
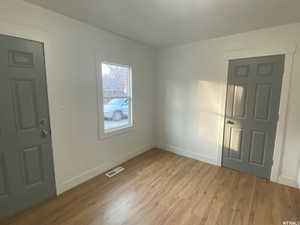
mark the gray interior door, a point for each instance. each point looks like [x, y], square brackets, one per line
[252, 105]
[26, 161]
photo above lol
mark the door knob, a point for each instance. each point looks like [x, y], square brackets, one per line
[230, 122]
[44, 132]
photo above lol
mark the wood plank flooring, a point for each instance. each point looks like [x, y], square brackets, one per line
[161, 188]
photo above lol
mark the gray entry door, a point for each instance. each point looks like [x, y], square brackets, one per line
[26, 161]
[252, 105]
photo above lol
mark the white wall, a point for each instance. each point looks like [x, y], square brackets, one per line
[71, 48]
[188, 92]
[191, 79]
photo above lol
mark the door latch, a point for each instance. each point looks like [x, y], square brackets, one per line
[230, 122]
[44, 132]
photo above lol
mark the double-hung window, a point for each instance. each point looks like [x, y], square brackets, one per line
[116, 97]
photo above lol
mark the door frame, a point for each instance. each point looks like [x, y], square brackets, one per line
[289, 50]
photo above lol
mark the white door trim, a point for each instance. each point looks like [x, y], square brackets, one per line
[289, 51]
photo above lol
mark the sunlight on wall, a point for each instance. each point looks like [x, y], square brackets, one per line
[207, 99]
[191, 113]
[175, 109]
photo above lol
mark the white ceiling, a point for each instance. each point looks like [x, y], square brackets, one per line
[168, 22]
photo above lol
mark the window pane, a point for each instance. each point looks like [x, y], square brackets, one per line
[116, 96]
[115, 80]
[116, 113]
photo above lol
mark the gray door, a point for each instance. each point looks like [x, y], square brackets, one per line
[252, 105]
[26, 162]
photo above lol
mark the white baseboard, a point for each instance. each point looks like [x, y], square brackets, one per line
[282, 179]
[288, 181]
[87, 175]
[189, 154]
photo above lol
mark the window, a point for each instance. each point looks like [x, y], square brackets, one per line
[116, 97]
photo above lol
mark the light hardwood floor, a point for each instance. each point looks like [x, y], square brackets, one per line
[161, 188]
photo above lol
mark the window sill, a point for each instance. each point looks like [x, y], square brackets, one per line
[115, 132]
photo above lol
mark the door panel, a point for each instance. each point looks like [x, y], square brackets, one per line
[265, 69]
[236, 143]
[33, 166]
[239, 101]
[242, 71]
[252, 105]
[20, 59]
[257, 148]
[263, 101]
[26, 150]
[25, 104]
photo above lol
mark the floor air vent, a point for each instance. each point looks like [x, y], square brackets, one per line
[114, 171]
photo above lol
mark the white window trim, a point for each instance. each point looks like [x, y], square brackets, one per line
[102, 134]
